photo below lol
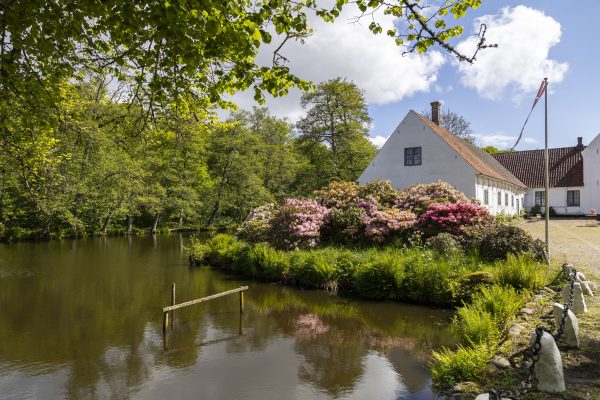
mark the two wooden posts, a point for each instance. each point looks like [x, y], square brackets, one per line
[169, 309]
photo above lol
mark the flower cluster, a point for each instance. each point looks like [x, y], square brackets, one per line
[338, 194]
[418, 197]
[257, 226]
[451, 217]
[381, 224]
[297, 223]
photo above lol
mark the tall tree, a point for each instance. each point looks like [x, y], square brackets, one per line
[338, 118]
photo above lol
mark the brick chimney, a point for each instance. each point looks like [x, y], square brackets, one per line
[580, 141]
[435, 112]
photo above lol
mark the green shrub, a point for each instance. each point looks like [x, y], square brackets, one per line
[535, 210]
[502, 302]
[344, 225]
[378, 276]
[225, 250]
[197, 250]
[521, 272]
[314, 268]
[428, 280]
[503, 240]
[473, 325]
[263, 261]
[256, 227]
[465, 364]
[469, 284]
[444, 243]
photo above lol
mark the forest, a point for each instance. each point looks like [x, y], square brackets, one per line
[95, 164]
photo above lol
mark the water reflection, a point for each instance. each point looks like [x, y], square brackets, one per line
[82, 319]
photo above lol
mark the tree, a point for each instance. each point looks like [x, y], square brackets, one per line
[338, 118]
[491, 150]
[455, 124]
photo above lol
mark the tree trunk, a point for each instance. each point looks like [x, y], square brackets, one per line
[106, 224]
[129, 224]
[46, 231]
[181, 221]
[155, 225]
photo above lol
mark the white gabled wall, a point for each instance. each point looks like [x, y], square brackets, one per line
[591, 176]
[439, 161]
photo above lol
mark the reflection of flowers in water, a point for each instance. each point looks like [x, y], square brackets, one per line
[309, 326]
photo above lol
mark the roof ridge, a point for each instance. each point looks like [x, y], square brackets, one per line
[479, 159]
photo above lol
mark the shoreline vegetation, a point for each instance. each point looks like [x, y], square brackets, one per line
[486, 295]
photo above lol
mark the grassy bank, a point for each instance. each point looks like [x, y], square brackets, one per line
[486, 295]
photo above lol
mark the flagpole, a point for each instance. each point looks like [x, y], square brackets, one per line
[547, 171]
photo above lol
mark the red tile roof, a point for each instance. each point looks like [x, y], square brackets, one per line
[566, 166]
[476, 157]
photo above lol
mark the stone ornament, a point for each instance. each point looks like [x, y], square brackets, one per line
[571, 328]
[549, 368]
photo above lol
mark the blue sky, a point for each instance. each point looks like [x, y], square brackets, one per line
[536, 38]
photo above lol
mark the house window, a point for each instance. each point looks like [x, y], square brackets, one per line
[499, 198]
[506, 199]
[540, 199]
[412, 156]
[573, 198]
[512, 200]
[518, 208]
[486, 197]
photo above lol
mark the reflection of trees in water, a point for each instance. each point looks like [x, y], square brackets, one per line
[97, 313]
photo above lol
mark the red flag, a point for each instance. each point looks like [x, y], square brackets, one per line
[540, 92]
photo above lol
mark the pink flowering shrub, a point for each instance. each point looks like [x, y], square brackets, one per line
[384, 223]
[451, 217]
[297, 224]
[418, 197]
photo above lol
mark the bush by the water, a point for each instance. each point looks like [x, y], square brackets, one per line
[444, 243]
[465, 364]
[375, 213]
[417, 275]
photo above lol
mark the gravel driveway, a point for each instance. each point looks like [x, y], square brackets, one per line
[576, 241]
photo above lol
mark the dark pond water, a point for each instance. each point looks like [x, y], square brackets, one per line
[82, 320]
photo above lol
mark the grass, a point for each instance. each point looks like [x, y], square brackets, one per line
[462, 365]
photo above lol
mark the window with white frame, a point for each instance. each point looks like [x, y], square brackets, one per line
[486, 197]
[412, 156]
[499, 198]
[540, 199]
[506, 199]
[573, 198]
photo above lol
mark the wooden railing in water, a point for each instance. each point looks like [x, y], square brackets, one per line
[173, 306]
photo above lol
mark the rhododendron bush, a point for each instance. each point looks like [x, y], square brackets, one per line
[451, 217]
[297, 224]
[346, 213]
[418, 197]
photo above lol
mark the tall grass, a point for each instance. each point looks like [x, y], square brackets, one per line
[521, 272]
[463, 364]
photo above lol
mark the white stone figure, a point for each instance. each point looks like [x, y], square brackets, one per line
[571, 328]
[579, 306]
[549, 369]
[593, 286]
[486, 396]
[585, 284]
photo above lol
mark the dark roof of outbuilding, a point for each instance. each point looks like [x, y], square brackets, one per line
[476, 157]
[566, 166]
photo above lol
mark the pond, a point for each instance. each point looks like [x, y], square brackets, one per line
[81, 319]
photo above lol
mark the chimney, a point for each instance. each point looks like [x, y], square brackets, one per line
[579, 141]
[435, 112]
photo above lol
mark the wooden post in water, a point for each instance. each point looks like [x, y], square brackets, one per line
[241, 302]
[165, 322]
[172, 303]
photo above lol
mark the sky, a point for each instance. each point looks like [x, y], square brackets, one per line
[536, 39]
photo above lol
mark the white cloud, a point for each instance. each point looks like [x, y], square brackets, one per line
[502, 140]
[351, 51]
[378, 140]
[524, 37]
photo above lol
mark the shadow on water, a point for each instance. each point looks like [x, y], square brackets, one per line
[82, 319]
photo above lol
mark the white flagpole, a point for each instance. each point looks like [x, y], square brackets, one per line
[547, 171]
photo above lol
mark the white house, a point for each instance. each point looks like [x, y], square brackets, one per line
[574, 176]
[421, 151]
